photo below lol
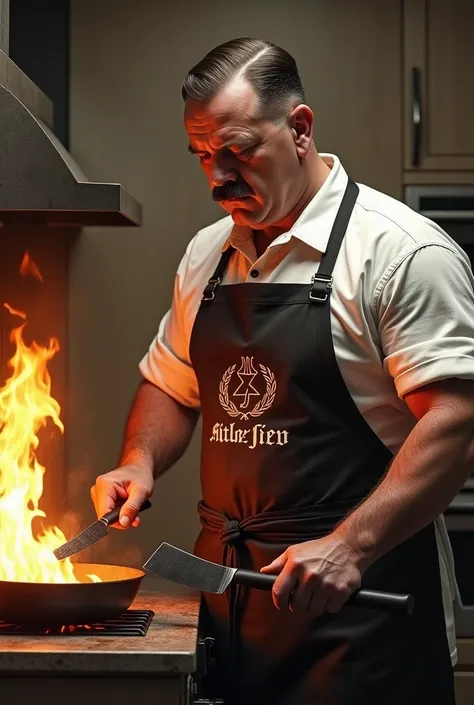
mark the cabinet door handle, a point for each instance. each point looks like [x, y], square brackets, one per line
[416, 117]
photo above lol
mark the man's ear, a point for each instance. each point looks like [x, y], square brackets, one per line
[301, 122]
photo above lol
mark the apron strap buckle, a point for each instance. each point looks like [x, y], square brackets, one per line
[209, 292]
[321, 286]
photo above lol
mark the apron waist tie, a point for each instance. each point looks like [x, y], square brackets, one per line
[283, 526]
[231, 535]
[277, 527]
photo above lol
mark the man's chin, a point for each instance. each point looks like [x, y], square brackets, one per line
[243, 216]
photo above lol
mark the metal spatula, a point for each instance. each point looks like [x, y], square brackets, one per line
[186, 569]
[94, 533]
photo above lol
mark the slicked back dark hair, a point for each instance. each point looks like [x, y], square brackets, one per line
[271, 71]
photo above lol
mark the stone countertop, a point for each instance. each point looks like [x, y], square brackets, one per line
[169, 646]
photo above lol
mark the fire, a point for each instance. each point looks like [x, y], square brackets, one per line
[27, 266]
[26, 405]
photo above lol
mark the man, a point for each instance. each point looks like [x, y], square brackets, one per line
[326, 333]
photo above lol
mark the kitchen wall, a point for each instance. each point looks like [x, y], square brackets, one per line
[4, 24]
[126, 67]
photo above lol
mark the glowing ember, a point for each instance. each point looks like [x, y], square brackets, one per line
[69, 628]
[26, 405]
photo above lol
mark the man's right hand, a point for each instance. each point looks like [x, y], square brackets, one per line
[132, 483]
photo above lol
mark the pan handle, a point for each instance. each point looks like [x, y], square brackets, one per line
[113, 516]
[389, 601]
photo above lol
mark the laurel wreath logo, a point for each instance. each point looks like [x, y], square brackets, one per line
[260, 407]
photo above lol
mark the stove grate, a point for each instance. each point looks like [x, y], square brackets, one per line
[129, 623]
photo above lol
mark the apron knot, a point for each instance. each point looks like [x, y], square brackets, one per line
[231, 531]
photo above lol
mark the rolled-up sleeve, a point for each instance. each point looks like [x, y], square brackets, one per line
[425, 311]
[167, 363]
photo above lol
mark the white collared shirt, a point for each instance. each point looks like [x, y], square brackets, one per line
[402, 307]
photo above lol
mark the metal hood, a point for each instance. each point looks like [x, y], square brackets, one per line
[39, 181]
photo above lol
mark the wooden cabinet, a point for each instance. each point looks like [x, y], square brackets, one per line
[464, 687]
[464, 672]
[76, 690]
[438, 91]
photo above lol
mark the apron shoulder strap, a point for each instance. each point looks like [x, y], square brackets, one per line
[209, 292]
[321, 282]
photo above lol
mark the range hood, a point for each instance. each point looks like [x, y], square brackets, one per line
[40, 183]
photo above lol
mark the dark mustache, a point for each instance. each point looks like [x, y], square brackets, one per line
[232, 189]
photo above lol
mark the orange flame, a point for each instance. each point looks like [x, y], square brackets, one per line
[26, 405]
[27, 266]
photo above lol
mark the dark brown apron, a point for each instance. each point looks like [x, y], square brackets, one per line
[285, 455]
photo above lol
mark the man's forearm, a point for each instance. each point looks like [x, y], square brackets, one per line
[425, 476]
[158, 430]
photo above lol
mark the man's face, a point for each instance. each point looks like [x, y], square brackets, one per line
[252, 163]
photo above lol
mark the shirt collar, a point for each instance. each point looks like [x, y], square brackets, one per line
[314, 224]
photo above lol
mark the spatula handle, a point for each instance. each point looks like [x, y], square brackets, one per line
[376, 599]
[112, 517]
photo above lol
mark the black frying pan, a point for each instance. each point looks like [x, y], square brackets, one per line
[71, 603]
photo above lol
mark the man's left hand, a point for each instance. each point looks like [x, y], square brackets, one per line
[315, 576]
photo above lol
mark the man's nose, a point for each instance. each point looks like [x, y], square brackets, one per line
[222, 171]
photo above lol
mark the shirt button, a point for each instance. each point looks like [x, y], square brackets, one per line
[254, 273]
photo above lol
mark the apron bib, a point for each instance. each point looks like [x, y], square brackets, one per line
[285, 456]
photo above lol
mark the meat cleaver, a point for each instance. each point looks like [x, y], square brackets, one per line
[184, 568]
[94, 533]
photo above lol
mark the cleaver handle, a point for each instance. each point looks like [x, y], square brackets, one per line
[112, 517]
[376, 599]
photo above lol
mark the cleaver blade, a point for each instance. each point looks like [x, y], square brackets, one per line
[181, 567]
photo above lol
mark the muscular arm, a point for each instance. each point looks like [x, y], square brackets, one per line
[158, 430]
[426, 474]
[157, 434]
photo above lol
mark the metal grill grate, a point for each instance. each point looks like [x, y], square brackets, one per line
[129, 623]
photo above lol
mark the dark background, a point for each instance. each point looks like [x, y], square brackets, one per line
[39, 45]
